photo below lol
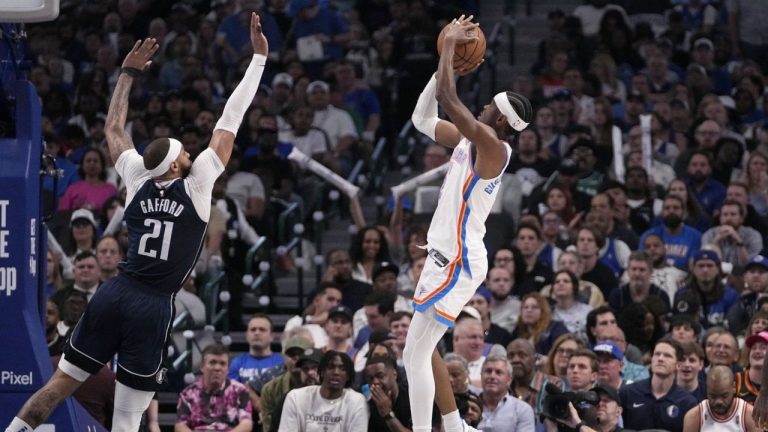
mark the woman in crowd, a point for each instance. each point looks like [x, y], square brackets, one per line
[93, 190]
[54, 280]
[536, 323]
[369, 247]
[560, 353]
[758, 323]
[641, 327]
[588, 292]
[559, 200]
[604, 69]
[756, 176]
[567, 307]
[82, 234]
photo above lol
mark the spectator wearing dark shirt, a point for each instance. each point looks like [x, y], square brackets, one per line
[709, 192]
[691, 365]
[657, 402]
[706, 281]
[389, 403]
[588, 245]
[639, 288]
[535, 275]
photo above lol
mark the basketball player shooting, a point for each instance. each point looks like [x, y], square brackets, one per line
[167, 209]
[458, 261]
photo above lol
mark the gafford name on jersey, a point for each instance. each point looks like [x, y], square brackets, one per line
[165, 205]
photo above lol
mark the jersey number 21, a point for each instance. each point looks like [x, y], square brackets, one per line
[166, 229]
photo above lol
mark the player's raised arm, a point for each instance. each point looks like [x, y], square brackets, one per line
[489, 147]
[226, 128]
[137, 60]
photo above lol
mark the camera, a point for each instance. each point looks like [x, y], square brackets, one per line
[556, 402]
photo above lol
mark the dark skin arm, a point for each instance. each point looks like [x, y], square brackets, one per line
[491, 154]
[114, 128]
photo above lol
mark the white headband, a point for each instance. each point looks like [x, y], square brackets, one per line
[502, 102]
[174, 149]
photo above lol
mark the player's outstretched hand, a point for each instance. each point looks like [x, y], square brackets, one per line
[258, 40]
[141, 54]
[462, 30]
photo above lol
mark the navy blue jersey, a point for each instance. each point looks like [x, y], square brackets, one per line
[166, 220]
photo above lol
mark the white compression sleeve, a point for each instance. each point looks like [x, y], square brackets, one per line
[242, 96]
[424, 116]
[423, 335]
[130, 404]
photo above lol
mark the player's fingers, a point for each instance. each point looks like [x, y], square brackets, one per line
[469, 18]
[136, 45]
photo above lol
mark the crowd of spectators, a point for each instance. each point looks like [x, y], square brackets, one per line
[635, 262]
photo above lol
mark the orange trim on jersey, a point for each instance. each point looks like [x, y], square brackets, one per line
[445, 315]
[440, 288]
[456, 261]
[462, 214]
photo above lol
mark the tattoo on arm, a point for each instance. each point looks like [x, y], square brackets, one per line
[117, 140]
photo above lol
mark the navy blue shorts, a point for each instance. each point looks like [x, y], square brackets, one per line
[126, 318]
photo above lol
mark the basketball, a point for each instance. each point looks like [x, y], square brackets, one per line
[466, 55]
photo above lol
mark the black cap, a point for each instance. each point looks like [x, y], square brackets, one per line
[568, 167]
[608, 391]
[384, 267]
[310, 355]
[340, 310]
[688, 302]
[582, 143]
[381, 336]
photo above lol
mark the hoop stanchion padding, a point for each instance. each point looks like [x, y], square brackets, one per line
[24, 362]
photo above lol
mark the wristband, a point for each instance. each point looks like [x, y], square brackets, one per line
[579, 426]
[130, 71]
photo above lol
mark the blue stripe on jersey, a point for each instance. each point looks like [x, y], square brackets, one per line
[465, 218]
[444, 320]
[422, 307]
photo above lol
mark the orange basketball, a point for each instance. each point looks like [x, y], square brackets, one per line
[466, 55]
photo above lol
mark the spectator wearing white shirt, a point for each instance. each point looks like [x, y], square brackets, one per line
[316, 314]
[245, 188]
[309, 140]
[337, 123]
[330, 406]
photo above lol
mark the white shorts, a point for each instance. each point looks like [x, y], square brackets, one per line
[448, 288]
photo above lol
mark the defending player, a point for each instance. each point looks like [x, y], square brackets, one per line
[458, 261]
[167, 209]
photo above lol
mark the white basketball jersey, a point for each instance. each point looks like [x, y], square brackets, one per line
[458, 224]
[733, 422]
